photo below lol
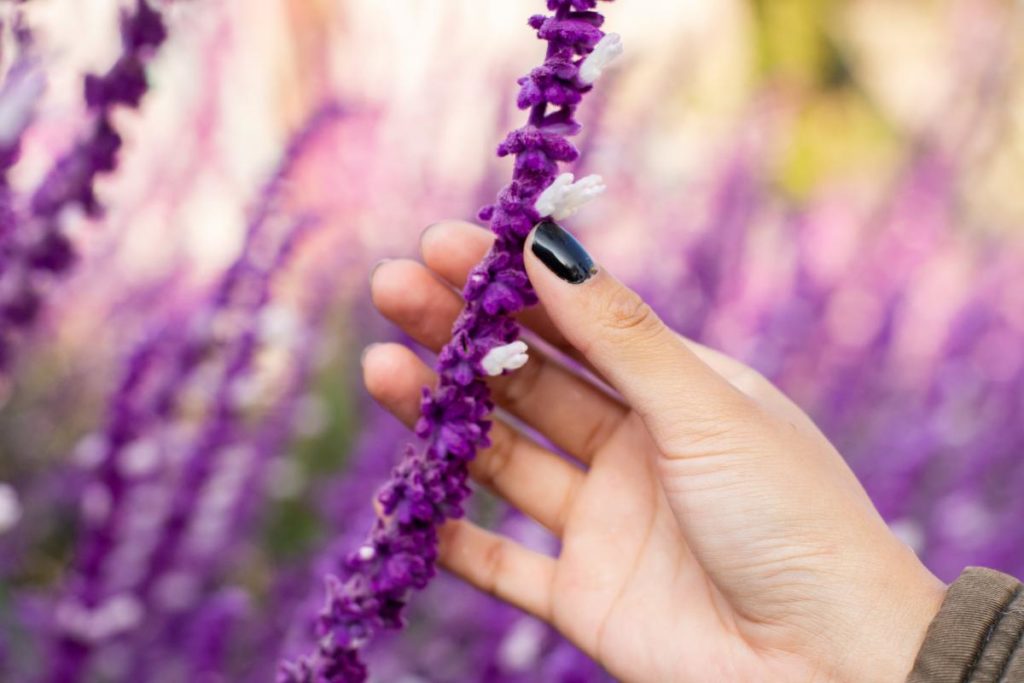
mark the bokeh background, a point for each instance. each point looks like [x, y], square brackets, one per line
[830, 190]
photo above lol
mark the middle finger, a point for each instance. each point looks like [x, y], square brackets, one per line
[576, 415]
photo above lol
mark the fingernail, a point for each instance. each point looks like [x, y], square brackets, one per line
[376, 267]
[366, 351]
[427, 231]
[561, 253]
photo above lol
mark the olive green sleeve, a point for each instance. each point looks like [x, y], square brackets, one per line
[977, 635]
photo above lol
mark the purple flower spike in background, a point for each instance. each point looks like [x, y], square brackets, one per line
[428, 487]
[183, 450]
[33, 246]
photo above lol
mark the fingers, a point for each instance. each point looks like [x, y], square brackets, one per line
[499, 566]
[452, 248]
[681, 399]
[420, 303]
[515, 467]
[581, 417]
[408, 295]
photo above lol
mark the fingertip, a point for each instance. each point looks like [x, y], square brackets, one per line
[394, 377]
[379, 364]
[385, 367]
[430, 237]
[452, 248]
[528, 242]
[437, 239]
[376, 267]
[550, 250]
[395, 284]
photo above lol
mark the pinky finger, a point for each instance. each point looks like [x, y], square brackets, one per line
[499, 566]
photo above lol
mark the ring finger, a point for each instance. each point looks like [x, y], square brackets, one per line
[530, 477]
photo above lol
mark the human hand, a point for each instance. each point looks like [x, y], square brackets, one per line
[709, 531]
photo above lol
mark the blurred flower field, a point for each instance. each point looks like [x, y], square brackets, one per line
[830, 190]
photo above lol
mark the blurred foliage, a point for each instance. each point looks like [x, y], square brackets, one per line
[837, 131]
[794, 44]
[836, 134]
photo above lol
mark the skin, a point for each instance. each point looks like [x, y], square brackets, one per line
[709, 530]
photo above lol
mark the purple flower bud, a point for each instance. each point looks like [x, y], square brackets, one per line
[124, 84]
[21, 306]
[53, 253]
[142, 30]
[579, 5]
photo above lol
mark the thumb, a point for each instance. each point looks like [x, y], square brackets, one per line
[678, 396]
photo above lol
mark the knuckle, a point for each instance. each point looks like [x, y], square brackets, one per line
[624, 310]
[495, 461]
[598, 434]
[565, 507]
[704, 436]
[516, 390]
[494, 558]
[450, 535]
[733, 428]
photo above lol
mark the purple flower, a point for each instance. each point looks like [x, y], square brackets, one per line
[165, 488]
[33, 247]
[429, 486]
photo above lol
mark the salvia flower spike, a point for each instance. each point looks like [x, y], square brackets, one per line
[34, 248]
[429, 486]
[154, 470]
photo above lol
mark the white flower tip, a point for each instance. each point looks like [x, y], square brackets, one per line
[367, 553]
[563, 198]
[10, 507]
[607, 50]
[549, 200]
[508, 357]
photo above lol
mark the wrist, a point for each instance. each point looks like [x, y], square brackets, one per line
[893, 620]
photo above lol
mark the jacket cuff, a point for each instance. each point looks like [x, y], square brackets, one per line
[977, 635]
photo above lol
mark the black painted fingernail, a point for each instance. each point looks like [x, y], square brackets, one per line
[562, 254]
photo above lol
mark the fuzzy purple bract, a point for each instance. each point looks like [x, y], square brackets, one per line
[430, 485]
